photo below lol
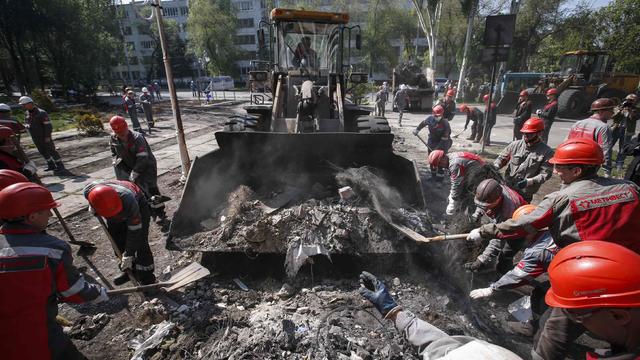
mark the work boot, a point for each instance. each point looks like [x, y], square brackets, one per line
[519, 328]
[121, 279]
[145, 277]
[471, 137]
[50, 166]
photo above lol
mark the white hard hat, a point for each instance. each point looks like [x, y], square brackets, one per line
[144, 89]
[25, 100]
[4, 107]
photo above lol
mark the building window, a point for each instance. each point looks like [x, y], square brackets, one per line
[184, 10]
[126, 30]
[147, 59]
[244, 6]
[131, 45]
[147, 44]
[245, 39]
[245, 23]
[170, 12]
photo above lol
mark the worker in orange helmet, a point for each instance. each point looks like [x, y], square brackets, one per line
[548, 112]
[596, 285]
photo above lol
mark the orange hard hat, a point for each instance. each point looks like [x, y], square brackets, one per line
[552, 91]
[524, 93]
[602, 104]
[464, 108]
[485, 98]
[10, 177]
[6, 132]
[105, 201]
[578, 151]
[532, 125]
[118, 124]
[593, 274]
[438, 110]
[451, 92]
[22, 199]
[523, 210]
[435, 157]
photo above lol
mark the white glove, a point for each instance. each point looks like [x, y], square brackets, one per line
[481, 293]
[126, 263]
[452, 206]
[415, 132]
[538, 112]
[102, 297]
[133, 176]
[474, 235]
[31, 167]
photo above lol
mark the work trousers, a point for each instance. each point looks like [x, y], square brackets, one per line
[517, 125]
[118, 231]
[620, 136]
[547, 130]
[148, 113]
[47, 150]
[504, 251]
[134, 119]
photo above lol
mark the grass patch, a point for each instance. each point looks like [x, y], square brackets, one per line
[60, 120]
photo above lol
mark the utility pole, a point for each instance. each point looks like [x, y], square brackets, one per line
[467, 42]
[182, 145]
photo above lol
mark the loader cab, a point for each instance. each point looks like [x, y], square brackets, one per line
[589, 66]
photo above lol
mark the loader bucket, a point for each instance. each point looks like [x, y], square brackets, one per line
[266, 161]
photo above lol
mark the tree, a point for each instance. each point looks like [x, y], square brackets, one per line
[430, 24]
[619, 25]
[211, 27]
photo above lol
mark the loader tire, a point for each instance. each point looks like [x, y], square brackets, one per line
[373, 125]
[571, 103]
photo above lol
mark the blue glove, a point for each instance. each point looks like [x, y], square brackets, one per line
[522, 184]
[374, 290]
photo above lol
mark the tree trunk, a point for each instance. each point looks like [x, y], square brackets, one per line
[467, 41]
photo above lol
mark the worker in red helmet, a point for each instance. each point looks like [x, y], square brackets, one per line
[523, 113]
[7, 120]
[448, 104]
[8, 158]
[497, 202]
[133, 160]
[439, 135]
[466, 171]
[527, 160]
[125, 207]
[596, 129]
[10, 177]
[587, 207]
[475, 116]
[536, 257]
[593, 286]
[36, 273]
[490, 120]
[548, 112]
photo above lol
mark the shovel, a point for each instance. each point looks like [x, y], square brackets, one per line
[190, 274]
[424, 142]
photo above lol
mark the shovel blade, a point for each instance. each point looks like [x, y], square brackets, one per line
[192, 277]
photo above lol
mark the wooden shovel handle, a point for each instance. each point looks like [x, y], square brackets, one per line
[448, 237]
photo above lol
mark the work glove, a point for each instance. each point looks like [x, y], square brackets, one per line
[474, 235]
[481, 293]
[102, 297]
[126, 263]
[477, 215]
[374, 290]
[538, 112]
[474, 266]
[415, 132]
[452, 206]
[522, 183]
[31, 168]
[133, 176]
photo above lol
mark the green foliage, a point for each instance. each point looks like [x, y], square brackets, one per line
[89, 124]
[180, 59]
[211, 27]
[619, 23]
[43, 101]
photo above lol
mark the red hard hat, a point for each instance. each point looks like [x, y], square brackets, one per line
[6, 132]
[593, 274]
[578, 151]
[118, 124]
[435, 157]
[523, 210]
[485, 98]
[524, 93]
[552, 91]
[464, 108]
[451, 93]
[488, 193]
[438, 110]
[24, 198]
[10, 177]
[532, 125]
[602, 104]
[105, 201]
